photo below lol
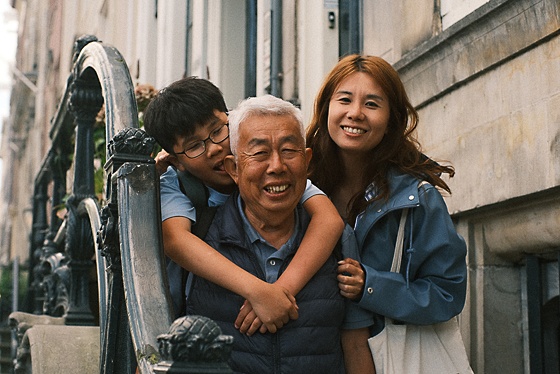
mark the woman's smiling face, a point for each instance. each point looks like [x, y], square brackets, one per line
[358, 114]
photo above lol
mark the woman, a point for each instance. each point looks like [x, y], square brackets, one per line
[366, 159]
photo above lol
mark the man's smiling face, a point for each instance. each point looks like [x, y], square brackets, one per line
[271, 165]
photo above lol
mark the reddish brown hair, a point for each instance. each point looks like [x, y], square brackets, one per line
[399, 148]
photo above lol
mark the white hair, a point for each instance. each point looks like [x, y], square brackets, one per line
[266, 105]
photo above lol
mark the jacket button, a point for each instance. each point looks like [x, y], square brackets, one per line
[272, 262]
[411, 197]
[370, 290]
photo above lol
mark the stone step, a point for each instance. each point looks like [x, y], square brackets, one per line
[51, 346]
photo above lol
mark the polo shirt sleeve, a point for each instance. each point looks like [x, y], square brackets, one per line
[310, 191]
[174, 203]
[357, 317]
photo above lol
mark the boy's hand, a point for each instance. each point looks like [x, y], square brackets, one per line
[163, 161]
[272, 305]
[351, 278]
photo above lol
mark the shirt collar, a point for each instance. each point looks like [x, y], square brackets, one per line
[254, 236]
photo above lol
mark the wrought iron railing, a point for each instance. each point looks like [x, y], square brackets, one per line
[120, 242]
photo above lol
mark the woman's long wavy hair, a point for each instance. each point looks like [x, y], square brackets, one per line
[398, 148]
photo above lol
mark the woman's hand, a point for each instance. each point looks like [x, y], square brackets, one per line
[351, 278]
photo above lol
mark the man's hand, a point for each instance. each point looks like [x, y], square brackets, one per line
[351, 278]
[270, 307]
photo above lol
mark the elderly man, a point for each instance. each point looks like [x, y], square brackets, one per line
[260, 228]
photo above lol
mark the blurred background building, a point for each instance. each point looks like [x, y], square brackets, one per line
[484, 76]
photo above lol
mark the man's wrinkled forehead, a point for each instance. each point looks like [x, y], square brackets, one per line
[255, 122]
[293, 139]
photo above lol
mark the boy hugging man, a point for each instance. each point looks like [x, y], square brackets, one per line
[189, 119]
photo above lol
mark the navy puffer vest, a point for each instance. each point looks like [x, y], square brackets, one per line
[310, 344]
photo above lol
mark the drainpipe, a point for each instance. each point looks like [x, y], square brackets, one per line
[276, 49]
[251, 49]
[188, 39]
[15, 284]
[204, 72]
[355, 27]
[295, 94]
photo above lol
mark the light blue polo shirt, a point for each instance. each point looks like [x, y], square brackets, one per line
[174, 203]
[270, 258]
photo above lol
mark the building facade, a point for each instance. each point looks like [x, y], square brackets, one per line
[483, 74]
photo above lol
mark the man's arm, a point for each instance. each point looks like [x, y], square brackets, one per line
[357, 355]
[272, 303]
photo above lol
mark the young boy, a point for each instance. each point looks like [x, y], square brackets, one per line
[189, 120]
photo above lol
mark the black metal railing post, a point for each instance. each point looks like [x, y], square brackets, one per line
[122, 239]
[85, 102]
[117, 351]
[38, 232]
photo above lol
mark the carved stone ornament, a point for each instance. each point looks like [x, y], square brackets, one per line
[108, 240]
[56, 285]
[195, 339]
[131, 141]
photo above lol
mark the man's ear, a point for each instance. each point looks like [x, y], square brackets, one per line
[308, 156]
[231, 167]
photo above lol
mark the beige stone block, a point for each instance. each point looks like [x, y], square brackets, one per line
[64, 349]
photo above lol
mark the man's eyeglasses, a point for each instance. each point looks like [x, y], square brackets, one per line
[217, 136]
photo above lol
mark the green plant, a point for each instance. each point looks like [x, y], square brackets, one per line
[144, 93]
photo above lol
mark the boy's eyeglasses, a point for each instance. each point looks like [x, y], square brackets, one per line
[217, 136]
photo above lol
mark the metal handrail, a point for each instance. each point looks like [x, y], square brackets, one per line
[61, 250]
[122, 239]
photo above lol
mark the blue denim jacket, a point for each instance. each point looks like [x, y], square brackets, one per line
[431, 286]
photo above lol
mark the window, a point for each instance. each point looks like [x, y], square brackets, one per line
[454, 10]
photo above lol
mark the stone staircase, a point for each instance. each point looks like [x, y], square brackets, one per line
[6, 366]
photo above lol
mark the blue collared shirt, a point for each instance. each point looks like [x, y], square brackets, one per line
[270, 258]
[175, 203]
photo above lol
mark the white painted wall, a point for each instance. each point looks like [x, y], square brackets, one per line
[144, 64]
[171, 45]
[199, 38]
[318, 46]
[230, 64]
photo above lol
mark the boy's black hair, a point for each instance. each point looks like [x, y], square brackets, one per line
[180, 108]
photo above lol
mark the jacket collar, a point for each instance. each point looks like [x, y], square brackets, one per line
[403, 193]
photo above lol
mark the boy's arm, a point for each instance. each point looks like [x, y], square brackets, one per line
[163, 161]
[357, 355]
[323, 232]
[272, 303]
